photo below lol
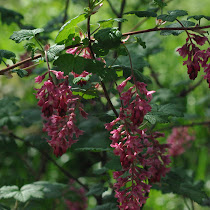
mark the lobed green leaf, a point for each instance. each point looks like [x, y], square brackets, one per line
[19, 36]
[142, 13]
[6, 54]
[161, 113]
[96, 189]
[198, 17]
[53, 51]
[9, 16]
[68, 29]
[68, 63]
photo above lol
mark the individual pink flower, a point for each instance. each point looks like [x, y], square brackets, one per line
[179, 141]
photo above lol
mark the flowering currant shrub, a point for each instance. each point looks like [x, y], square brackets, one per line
[100, 105]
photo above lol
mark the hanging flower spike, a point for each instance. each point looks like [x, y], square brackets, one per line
[142, 157]
[196, 57]
[58, 108]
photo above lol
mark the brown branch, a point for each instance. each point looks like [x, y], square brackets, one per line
[102, 84]
[186, 125]
[165, 29]
[155, 76]
[112, 8]
[121, 13]
[65, 172]
[3, 71]
[190, 89]
[66, 11]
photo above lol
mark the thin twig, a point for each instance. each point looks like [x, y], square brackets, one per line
[155, 76]
[112, 8]
[102, 84]
[165, 29]
[3, 71]
[186, 125]
[66, 11]
[121, 13]
[190, 89]
[65, 172]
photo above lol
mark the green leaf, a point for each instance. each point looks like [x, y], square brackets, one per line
[86, 94]
[77, 79]
[172, 15]
[110, 206]
[9, 16]
[53, 51]
[178, 13]
[198, 17]
[19, 36]
[3, 207]
[98, 141]
[31, 116]
[160, 3]
[24, 194]
[68, 63]
[139, 41]
[175, 25]
[109, 22]
[107, 38]
[193, 192]
[20, 72]
[6, 54]
[8, 191]
[31, 47]
[161, 113]
[69, 28]
[180, 182]
[127, 72]
[142, 13]
[114, 162]
[51, 189]
[96, 189]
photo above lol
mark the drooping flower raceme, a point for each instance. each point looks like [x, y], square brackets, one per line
[58, 111]
[143, 158]
[179, 141]
[196, 58]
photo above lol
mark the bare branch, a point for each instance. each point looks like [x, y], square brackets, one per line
[112, 8]
[190, 89]
[165, 29]
[185, 125]
[66, 11]
[50, 159]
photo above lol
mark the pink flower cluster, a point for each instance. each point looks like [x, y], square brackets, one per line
[58, 108]
[142, 157]
[196, 57]
[79, 201]
[179, 140]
